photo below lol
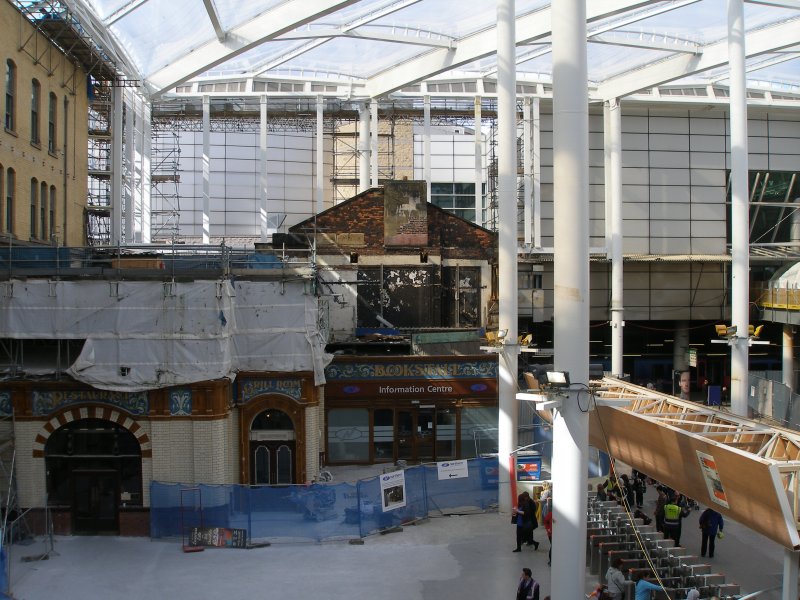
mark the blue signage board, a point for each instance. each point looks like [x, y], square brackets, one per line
[529, 468]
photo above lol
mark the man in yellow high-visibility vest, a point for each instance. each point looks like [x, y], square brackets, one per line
[673, 515]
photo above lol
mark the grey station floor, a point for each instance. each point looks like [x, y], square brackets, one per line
[464, 557]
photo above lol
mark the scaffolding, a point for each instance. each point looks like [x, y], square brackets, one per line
[99, 201]
[164, 180]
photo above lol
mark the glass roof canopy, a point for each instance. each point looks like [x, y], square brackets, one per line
[371, 48]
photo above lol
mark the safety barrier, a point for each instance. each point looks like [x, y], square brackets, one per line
[322, 511]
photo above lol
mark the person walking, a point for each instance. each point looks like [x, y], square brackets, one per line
[711, 524]
[615, 580]
[523, 516]
[528, 588]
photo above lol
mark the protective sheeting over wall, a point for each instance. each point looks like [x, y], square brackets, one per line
[144, 335]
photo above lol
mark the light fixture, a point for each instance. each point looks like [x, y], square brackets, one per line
[558, 379]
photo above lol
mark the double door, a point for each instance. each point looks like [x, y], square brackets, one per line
[272, 462]
[425, 434]
[95, 506]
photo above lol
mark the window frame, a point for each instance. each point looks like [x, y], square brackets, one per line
[11, 96]
[36, 112]
[52, 123]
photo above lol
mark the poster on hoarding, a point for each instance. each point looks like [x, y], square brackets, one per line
[393, 490]
[219, 537]
[713, 483]
[452, 469]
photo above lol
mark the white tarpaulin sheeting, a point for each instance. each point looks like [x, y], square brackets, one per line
[143, 335]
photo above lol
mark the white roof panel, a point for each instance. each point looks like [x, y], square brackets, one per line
[391, 44]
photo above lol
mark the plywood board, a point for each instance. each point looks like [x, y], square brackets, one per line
[752, 488]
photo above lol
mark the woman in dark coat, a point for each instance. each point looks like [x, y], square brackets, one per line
[525, 518]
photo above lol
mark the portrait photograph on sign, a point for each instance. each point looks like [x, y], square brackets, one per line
[393, 490]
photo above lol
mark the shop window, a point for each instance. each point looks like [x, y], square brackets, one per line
[348, 435]
[383, 434]
[478, 431]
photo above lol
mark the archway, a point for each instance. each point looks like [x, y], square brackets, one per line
[282, 434]
[93, 466]
[272, 448]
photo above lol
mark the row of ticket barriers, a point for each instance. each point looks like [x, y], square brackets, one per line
[612, 533]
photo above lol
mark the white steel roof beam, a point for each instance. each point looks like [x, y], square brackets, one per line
[266, 26]
[761, 41]
[778, 3]
[400, 35]
[753, 67]
[650, 43]
[269, 63]
[123, 10]
[214, 18]
[529, 27]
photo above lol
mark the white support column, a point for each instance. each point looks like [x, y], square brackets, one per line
[571, 294]
[363, 147]
[262, 170]
[479, 216]
[117, 136]
[614, 198]
[790, 574]
[537, 173]
[206, 169]
[787, 362]
[507, 244]
[740, 212]
[426, 144]
[373, 144]
[527, 171]
[320, 138]
[147, 153]
[130, 157]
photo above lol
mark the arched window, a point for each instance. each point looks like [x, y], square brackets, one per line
[10, 193]
[52, 219]
[34, 194]
[11, 92]
[36, 107]
[43, 229]
[51, 123]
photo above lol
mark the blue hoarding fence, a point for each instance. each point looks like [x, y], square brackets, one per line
[324, 511]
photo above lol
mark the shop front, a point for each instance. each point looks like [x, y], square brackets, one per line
[417, 409]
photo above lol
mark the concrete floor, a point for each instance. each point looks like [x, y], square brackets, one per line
[464, 557]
